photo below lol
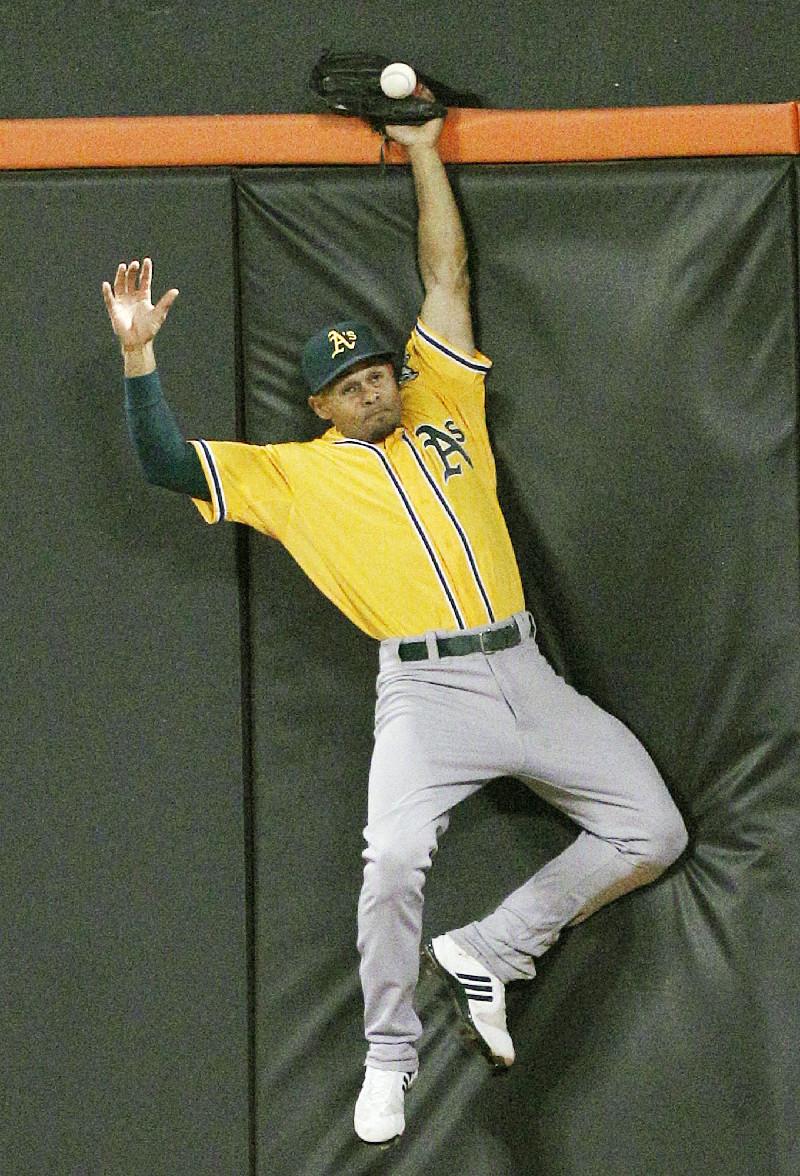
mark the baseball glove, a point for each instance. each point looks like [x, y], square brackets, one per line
[350, 83]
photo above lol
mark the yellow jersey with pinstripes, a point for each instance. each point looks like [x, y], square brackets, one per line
[403, 535]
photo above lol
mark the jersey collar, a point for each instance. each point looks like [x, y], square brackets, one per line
[333, 435]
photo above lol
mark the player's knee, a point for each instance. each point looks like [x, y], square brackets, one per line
[396, 865]
[665, 843]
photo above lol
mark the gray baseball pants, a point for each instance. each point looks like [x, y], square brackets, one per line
[445, 727]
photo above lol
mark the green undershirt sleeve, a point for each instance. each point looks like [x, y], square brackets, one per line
[166, 458]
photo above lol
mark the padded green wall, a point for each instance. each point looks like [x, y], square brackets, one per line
[642, 319]
[123, 945]
[187, 723]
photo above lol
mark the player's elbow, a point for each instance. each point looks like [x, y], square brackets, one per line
[451, 281]
[155, 475]
[171, 467]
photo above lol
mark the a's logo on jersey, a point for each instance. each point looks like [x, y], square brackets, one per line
[446, 445]
[341, 342]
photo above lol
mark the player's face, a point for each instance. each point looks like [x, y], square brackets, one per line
[364, 403]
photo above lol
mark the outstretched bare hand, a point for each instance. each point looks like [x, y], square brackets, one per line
[134, 318]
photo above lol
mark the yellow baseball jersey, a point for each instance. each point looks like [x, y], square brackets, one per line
[403, 535]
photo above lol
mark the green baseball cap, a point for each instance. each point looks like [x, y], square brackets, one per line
[335, 349]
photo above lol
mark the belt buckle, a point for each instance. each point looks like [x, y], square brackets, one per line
[505, 632]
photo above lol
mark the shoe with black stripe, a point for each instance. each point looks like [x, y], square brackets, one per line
[479, 996]
[380, 1114]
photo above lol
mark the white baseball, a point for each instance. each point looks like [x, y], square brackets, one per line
[398, 80]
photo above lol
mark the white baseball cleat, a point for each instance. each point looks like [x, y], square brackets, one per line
[479, 996]
[379, 1114]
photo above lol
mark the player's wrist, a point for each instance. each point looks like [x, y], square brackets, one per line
[423, 149]
[425, 159]
[139, 358]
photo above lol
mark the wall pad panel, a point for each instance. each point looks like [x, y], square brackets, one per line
[124, 965]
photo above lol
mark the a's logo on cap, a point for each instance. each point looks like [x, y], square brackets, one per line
[341, 341]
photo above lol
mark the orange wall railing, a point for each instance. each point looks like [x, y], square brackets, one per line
[470, 136]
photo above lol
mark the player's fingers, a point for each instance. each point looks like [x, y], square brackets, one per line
[131, 275]
[119, 279]
[108, 296]
[146, 275]
[161, 308]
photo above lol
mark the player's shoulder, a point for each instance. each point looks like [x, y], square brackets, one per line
[294, 455]
[431, 350]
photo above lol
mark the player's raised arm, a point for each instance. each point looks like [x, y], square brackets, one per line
[166, 458]
[441, 244]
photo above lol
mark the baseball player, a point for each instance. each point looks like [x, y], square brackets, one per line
[393, 514]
